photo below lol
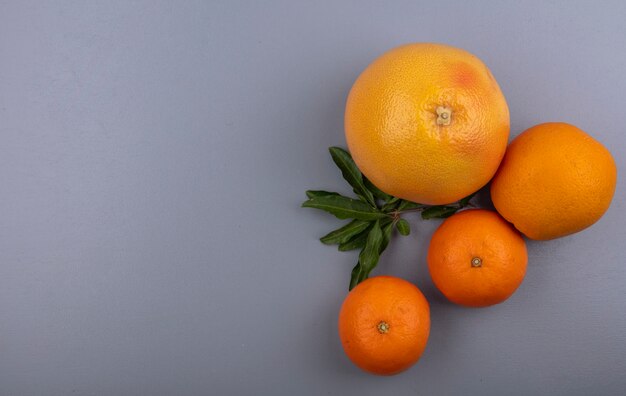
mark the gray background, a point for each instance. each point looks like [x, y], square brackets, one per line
[153, 157]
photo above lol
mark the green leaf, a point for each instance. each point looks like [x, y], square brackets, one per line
[387, 229]
[376, 191]
[362, 269]
[352, 174]
[356, 242]
[355, 276]
[370, 254]
[319, 193]
[392, 200]
[408, 205]
[390, 205]
[403, 227]
[463, 203]
[439, 212]
[344, 233]
[344, 208]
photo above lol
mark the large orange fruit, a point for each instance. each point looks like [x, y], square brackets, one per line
[427, 123]
[384, 325]
[554, 180]
[476, 258]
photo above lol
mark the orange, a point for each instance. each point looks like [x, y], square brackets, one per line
[427, 123]
[384, 325]
[555, 180]
[476, 258]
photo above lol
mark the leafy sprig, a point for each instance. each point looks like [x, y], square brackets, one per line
[374, 215]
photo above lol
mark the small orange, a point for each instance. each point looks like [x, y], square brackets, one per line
[555, 180]
[384, 325]
[476, 258]
[427, 122]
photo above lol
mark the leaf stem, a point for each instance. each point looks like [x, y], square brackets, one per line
[374, 215]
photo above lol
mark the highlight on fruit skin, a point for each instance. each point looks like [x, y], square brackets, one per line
[427, 123]
[555, 180]
[477, 259]
[384, 324]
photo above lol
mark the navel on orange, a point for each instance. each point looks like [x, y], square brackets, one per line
[555, 180]
[427, 123]
[476, 258]
[384, 325]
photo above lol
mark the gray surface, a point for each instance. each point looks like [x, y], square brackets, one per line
[152, 162]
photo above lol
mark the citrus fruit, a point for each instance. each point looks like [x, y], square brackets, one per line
[476, 258]
[427, 123]
[555, 180]
[384, 324]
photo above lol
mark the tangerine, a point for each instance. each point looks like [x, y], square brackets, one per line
[476, 258]
[384, 325]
